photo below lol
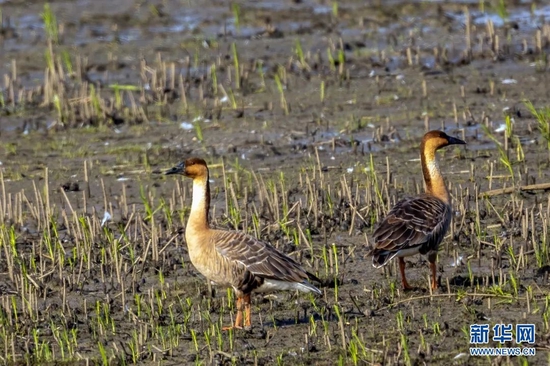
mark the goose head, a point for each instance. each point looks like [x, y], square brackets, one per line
[192, 168]
[434, 140]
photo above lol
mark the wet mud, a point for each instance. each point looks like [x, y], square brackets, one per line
[309, 114]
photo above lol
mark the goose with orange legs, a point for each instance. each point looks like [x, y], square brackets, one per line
[417, 225]
[232, 258]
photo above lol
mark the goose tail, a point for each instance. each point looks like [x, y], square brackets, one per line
[307, 287]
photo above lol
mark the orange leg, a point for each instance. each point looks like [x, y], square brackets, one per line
[238, 317]
[247, 306]
[403, 278]
[434, 274]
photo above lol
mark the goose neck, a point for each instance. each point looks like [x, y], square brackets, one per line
[200, 207]
[435, 184]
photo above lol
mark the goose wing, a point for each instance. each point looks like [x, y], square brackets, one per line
[258, 257]
[413, 223]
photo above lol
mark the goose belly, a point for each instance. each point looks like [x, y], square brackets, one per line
[215, 277]
[407, 252]
[270, 285]
[212, 270]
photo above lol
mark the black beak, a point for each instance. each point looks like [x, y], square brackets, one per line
[455, 141]
[178, 169]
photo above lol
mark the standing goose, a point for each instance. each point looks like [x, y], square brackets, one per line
[417, 224]
[235, 259]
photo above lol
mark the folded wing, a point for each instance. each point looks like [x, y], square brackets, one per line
[413, 223]
[260, 258]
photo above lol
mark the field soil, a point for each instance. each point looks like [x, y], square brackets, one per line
[309, 114]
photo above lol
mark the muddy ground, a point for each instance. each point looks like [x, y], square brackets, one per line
[310, 115]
